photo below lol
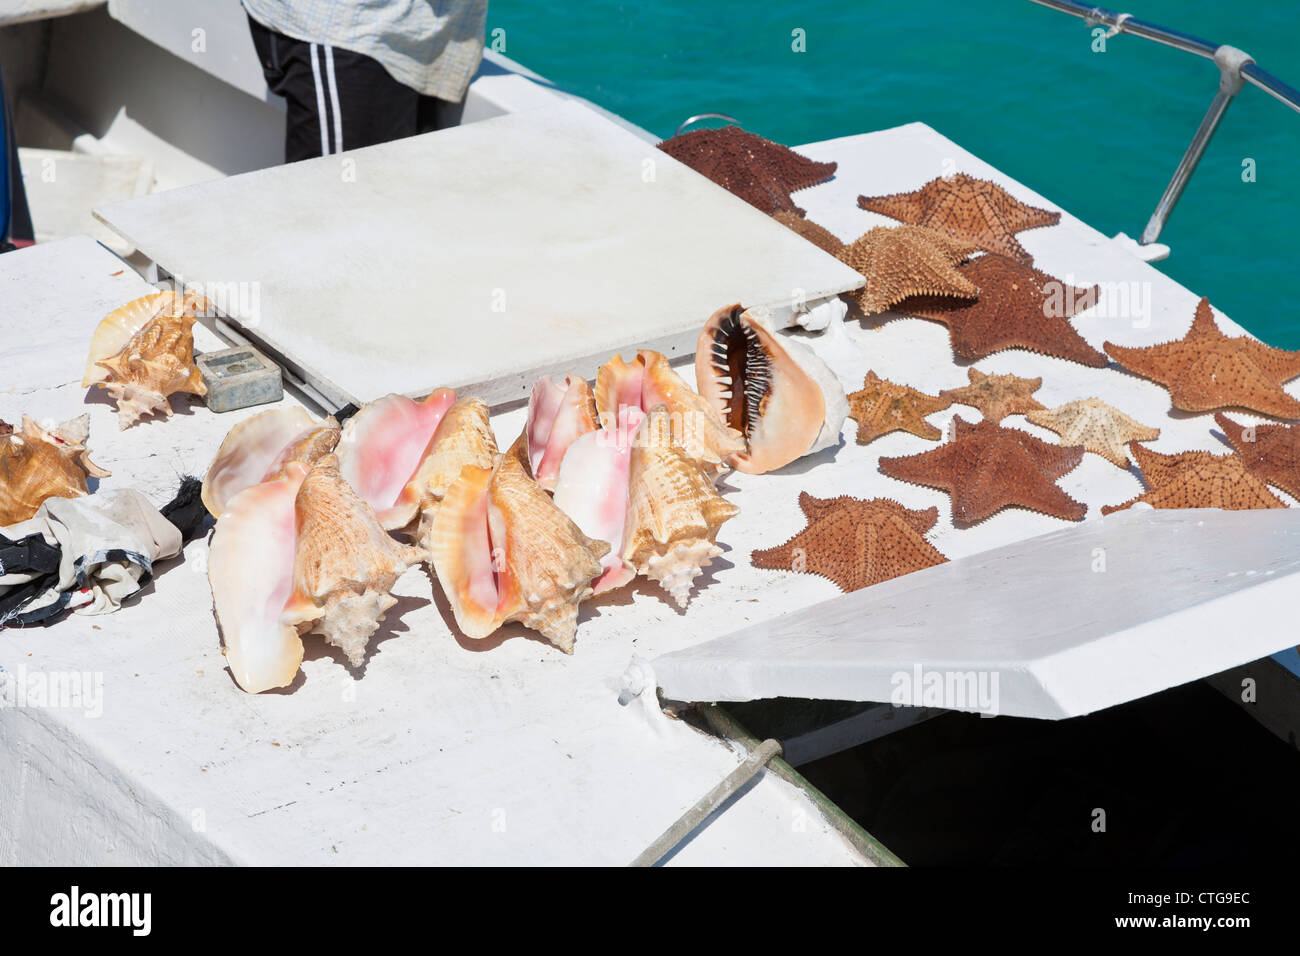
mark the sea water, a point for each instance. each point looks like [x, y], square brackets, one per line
[1098, 127]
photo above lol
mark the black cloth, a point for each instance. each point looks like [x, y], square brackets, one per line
[29, 555]
[372, 107]
[15, 219]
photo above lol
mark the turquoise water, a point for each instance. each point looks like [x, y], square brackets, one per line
[1015, 83]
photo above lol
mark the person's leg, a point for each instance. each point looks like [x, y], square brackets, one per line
[436, 114]
[15, 220]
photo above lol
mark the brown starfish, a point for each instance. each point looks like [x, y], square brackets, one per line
[819, 236]
[903, 261]
[759, 171]
[996, 396]
[986, 467]
[1197, 479]
[968, 208]
[856, 543]
[1206, 369]
[1018, 307]
[1100, 428]
[1270, 452]
[882, 407]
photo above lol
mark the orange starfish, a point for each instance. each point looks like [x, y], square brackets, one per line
[882, 407]
[996, 396]
[1206, 369]
[1197, 479]
[903, 261]
[1270, 452]
[819, 236]
[856, 543]
[986, 467]
[1018, 307]
[967, 208]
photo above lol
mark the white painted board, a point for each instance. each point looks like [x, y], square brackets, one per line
[478, 256]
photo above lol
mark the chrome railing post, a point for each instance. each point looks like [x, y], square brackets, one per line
[1230, 60]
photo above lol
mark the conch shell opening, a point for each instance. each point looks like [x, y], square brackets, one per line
[559, 413]
[259, 448]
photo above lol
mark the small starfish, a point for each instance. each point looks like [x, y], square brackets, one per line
[1018, 307]
[967, 208]
[1270, 452]
[1206, 369]
[759, 171]
[819, 236]
[903, 261]
[996, 396]
[1197, 479]
[856, 543]
[882, 407]
[986, 467]
[1100, 428]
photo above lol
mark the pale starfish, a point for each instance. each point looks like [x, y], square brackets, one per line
[1100, 428]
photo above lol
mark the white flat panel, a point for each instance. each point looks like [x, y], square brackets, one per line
[544, 240]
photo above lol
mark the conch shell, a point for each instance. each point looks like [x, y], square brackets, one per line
[153, 361]
[259, 448]
[463, 437]
[647, 381]
[503, 551]
[559, 413]
[36, 464]
[344, 565]
[382, 448]
[775, 391]
[673, 510]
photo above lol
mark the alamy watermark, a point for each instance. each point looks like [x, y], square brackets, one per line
[975, 691]
[53, 690]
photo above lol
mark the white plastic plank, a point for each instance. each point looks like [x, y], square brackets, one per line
[480, 255]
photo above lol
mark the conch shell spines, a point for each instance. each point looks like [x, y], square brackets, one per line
[36, 464]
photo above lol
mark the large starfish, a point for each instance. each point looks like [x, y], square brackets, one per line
[903, 261]
[759, 171]
[882, 407]
[1100, 428]
[1206, 369]
[856, 543]
[819, 236]
[1197, 479]
[986, 467]
[1270, 452]
[1018, 307]
[996, 396]
[967, 208]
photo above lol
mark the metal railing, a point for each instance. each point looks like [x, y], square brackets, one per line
[1235, 69]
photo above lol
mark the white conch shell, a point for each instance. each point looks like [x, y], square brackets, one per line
[382, 448]
[774, 390]
[559, 413]
[647, 381]
[344, 565]
[258, 448]
[592, 490]
[463, 437]
[673, 511]
[36, 464]
[503, 551]
[250, 571]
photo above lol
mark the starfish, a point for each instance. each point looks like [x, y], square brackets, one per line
[1206, 369]
[1018, 307]
[759, 171]
[856, 543]
[1197, 479]
[882, 407]
[1270, 452]
[1100, 428]
[996, 396]
[986, 467]
[819, 236]
[903, 261]
[968, 208]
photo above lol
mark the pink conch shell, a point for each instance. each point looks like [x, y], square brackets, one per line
[251, 572]
[559, 413]
[647, 381]
[464, 437]
[344, 565]
[673, 510]
[592, 490]
[258, 448]
[382, 448]
[36, 464]
[774, 391]
[502, 551]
